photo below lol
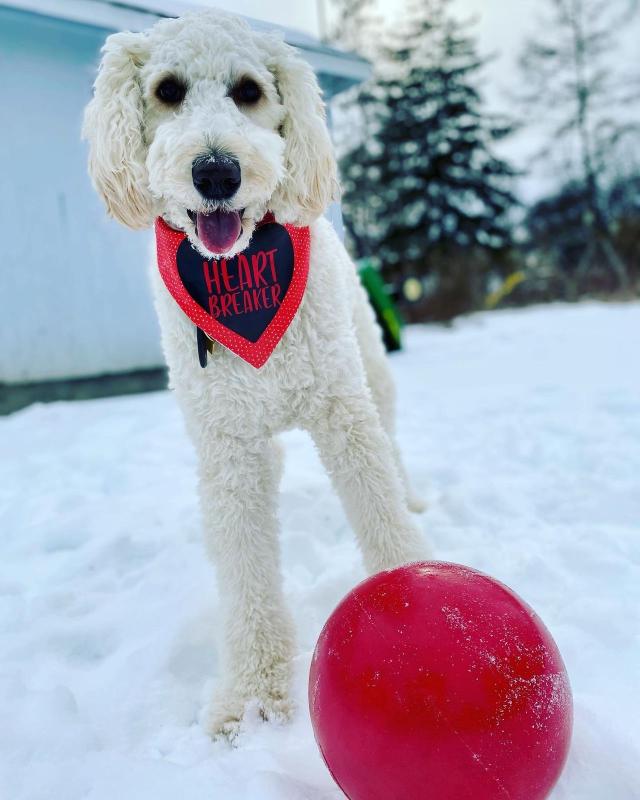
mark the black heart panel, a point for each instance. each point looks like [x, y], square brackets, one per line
[242, 293]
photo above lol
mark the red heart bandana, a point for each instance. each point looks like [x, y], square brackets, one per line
[247, 302]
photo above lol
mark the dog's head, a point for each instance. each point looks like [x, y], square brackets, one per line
[208, 124]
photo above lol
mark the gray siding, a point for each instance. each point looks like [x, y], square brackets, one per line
[74, 298]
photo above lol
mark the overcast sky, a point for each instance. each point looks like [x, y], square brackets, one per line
[501, 28]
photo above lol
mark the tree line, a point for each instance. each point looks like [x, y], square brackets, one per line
[426, 194]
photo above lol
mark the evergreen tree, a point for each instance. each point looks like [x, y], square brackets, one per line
[556, 233]
[423, 189]
[572, 85]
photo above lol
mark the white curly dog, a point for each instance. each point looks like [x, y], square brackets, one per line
[206, 89]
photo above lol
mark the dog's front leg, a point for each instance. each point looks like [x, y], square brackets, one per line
[358, 455]
[238, 487]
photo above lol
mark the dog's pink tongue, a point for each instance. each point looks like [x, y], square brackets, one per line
[219, 230]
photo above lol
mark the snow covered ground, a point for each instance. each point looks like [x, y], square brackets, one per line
[522, 427]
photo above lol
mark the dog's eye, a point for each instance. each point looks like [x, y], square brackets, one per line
[171, 91]
[246, 92]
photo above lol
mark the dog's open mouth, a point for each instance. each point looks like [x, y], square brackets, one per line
[217, 230]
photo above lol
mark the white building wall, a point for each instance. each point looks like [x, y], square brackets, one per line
[73, 287]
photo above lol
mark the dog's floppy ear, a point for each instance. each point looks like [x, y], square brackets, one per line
[310, 182]
[113, 127]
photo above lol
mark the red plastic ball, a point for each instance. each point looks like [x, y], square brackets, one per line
[435, 681]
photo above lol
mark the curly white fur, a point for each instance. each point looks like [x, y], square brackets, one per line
[328, 374]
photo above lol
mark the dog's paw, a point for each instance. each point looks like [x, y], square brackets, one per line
[227, 714]
[268, 701]
[224, 724]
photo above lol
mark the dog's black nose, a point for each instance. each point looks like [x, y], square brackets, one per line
[216, 177]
